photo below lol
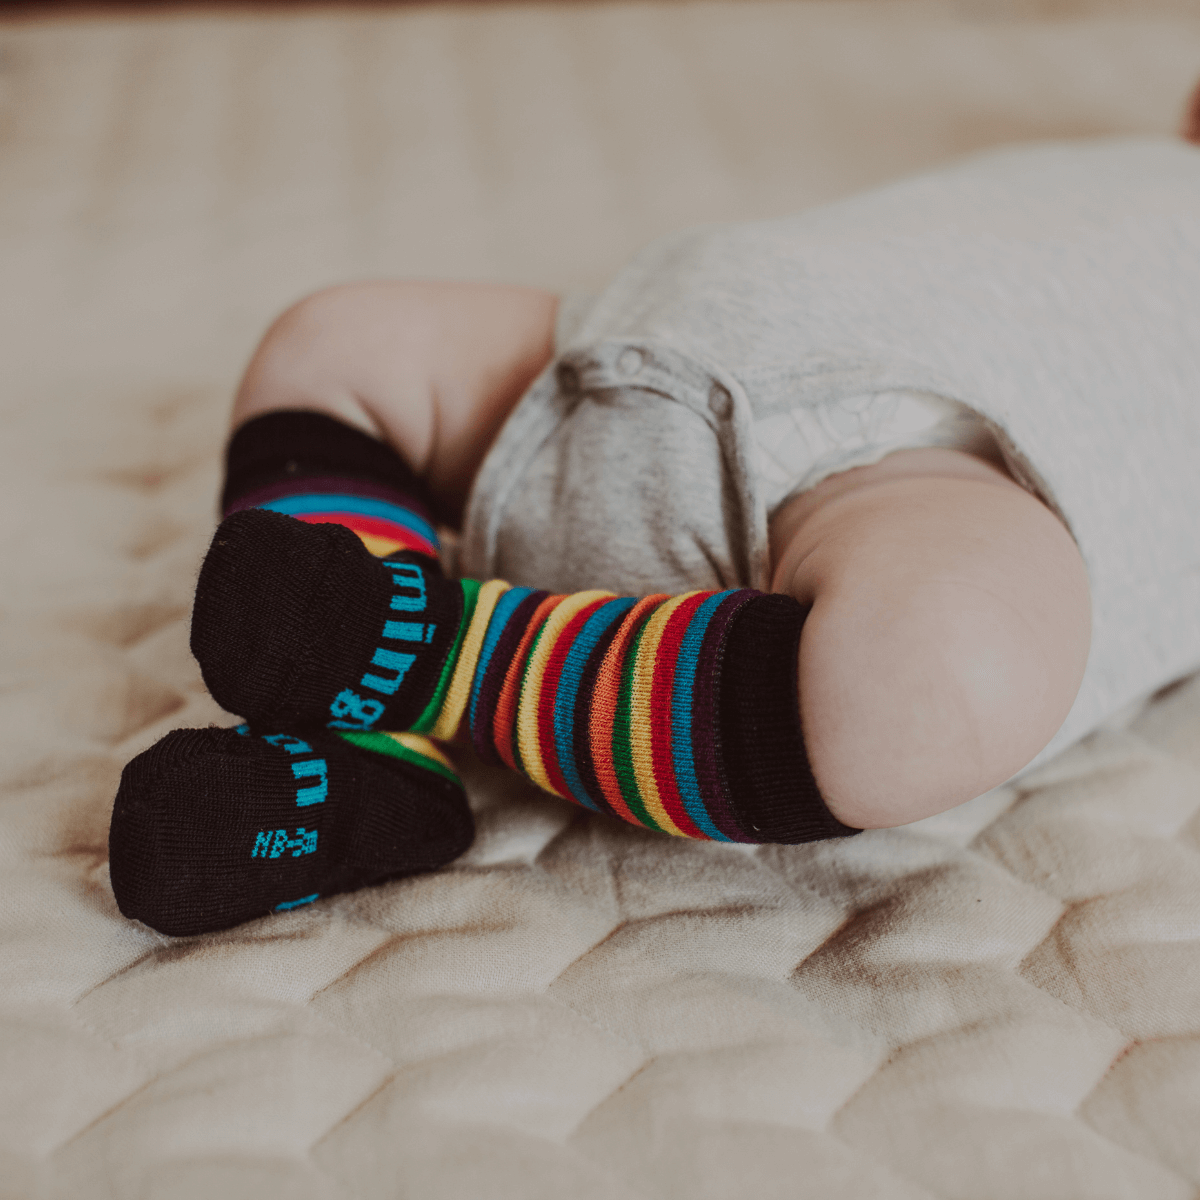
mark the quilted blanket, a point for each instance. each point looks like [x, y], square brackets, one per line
[1002, 1002]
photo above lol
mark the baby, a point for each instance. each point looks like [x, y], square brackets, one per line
[801, 527]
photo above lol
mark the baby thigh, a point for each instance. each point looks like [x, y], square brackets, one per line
[948, 635]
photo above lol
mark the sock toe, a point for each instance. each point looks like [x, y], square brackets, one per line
[285, 611]
[212, 827]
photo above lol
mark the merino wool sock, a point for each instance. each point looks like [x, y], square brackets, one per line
[677, 713]
[212, 827]
[252, 636]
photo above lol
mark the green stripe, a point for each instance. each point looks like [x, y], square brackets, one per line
[426, 721]
[622, 751]
[380, 743]
[516, 729]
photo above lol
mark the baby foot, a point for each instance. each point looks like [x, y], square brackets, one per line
[212, 827]
[298, 624]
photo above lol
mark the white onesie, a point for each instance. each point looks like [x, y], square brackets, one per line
[1041, 303]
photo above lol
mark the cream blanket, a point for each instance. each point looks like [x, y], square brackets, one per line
[1001, 1002]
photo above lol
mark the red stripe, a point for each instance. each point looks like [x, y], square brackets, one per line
[545, 709]
[505, 719]
[375, 526]
[661, 689]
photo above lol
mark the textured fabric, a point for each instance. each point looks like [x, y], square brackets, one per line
[997, 1004]
[1053, 290]
[679, 713]
[317, 469]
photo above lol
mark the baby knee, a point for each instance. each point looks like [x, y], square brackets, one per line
[913, 703]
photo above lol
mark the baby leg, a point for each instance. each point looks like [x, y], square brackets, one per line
[944, 614]
[212, 827]
[948, 635]
[1191, 117]
[950, 613]
[431, 369]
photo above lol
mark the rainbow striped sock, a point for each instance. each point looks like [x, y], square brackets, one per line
[321, 471]
[677, 713]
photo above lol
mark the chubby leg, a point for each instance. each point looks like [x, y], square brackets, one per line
[948, 635]
[1191, 117]
[212, 827]
[949, 610]
[432, 369]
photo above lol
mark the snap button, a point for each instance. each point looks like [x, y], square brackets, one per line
[630, 361]
[568, 379]
[720, 402]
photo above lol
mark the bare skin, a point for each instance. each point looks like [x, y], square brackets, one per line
[1191, 118]
[950, 620]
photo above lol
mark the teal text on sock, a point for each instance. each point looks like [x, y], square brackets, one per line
[273, 843]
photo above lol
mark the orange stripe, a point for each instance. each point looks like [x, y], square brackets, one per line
[510, 693]
[642, 718]
[528, 741]
[604, 706]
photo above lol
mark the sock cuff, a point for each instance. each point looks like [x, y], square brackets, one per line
[766, 768]
[294, 443]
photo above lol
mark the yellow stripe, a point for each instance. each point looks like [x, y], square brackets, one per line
[527, 702]
[459, 691]
[420, 744]
[381, 547]
[639, 714]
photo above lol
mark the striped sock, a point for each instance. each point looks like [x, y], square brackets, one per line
[677, 713]
[212, 827]
[321, 471]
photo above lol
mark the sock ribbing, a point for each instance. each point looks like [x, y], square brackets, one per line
[679, 714]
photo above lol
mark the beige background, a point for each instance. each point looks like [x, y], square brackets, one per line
[1004, 1002]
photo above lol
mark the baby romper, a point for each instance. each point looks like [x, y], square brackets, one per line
[1041, 303]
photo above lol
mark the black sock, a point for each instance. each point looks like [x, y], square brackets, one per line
[294, 621]
[212, 827]
[298, 624]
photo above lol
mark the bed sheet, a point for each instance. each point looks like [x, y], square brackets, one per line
[1000, 1002]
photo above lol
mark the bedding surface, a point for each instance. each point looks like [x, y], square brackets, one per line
[1000, 1002]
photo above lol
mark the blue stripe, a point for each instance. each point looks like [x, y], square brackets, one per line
[297, 903]
[496, 623]
[568, 689]
[681, 716]
[319, 502]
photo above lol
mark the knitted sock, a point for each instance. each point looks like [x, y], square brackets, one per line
[282, 594]
[321, 470]
[678, 713]
[212, 827]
